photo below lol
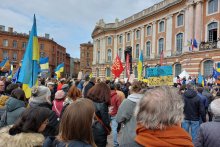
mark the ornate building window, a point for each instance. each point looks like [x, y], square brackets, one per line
[15, 44]
[98, 43]
[120, 39]
[161, 45]
[5, 54]
[128, 37]
[120, 53]
[109, 40]
[108, 72]
[5, 42]
[98, 56]
[109, 55]
[178, 69]
[161, 26]
[137, 50]
[180, 20]
[148, 30]
[213, 31]
[179, 42]
[15, 56]
[135, 72]
[24, 44]
[212, 6]
[208, 68]
[41, 46]
[138, 34]
[148, 48]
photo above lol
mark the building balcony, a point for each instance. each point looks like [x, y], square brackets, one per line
[208, 45]
[176, 53]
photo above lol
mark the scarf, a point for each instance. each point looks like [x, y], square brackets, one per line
[173, 136]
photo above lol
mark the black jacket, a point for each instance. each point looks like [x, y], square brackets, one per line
[87, 87]
[99, 131]
[193, 107]
[52, 142]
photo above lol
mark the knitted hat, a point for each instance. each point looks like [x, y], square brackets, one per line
[40, 94]
[60, 94]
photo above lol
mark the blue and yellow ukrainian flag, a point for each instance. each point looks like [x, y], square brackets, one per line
[59, 69]
[140, 66]
[30, 65]
[201, 80]
[5, 65]
[44, 64]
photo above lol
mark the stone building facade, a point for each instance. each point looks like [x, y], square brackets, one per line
[86, 57]
[168, 26]
[13, 45]
[74, 67]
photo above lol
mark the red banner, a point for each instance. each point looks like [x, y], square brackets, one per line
[127, 66]
[117, 67]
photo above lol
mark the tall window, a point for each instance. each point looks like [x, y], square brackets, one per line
[97, 72]
[180, 20]
[208, 67]
[15, 44]
[137, 50]
[5, 42]
[148, 30]
[15, 56]
[108, 72]
[135, 72]
[87, 54]
[161, 45]
[120, 39]
[98, 43]
[24, 44]
[5, 54]
[98, 56]
[138, 34]
[128, 37]
[161, 26]
[109, 55]
[148, 47]
[41, 46]
[178, 69]
[213, 31]
[120, 53]
[109, 40]
[179, 42]
[212, 6]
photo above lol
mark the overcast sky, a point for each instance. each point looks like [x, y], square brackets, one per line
[69, 22]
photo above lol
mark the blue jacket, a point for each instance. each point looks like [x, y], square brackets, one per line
[204, 100]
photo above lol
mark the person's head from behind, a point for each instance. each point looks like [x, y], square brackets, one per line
[2, 86]
[215, 107]
[136, 87]
[75, 125]
[74, 93]
[31, 120]
[160, 107]
[10, 88]
[112, 85]
[18, 94]
[92, 80]
[118, 86]
[200, 89]
[50, 85]
[100, 93]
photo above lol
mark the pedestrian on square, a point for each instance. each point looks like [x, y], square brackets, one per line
[58, 102]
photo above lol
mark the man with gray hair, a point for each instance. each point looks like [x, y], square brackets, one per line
[209, 133]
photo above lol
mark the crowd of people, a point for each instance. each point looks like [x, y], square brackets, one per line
[83, 113]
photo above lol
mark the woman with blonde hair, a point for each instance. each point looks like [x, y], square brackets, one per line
[75, 128]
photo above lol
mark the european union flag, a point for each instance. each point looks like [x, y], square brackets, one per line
[215, 74]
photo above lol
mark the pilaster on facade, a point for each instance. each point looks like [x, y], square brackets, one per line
[152, 55]
[94, 52]
[123, 45]
[169, 21]
[103, 50]
[198, 21]
[186, 35]
[115, 48]
[132, 41]
[191, 21]
[142, 39]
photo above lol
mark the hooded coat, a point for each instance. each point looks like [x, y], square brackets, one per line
[126, 116]
[14, 108]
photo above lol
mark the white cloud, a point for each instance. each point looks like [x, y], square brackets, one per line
[69, 22]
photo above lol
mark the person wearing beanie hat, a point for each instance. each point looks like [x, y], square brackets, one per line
[65, 88]
[58, 102]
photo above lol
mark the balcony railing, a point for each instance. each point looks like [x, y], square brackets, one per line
[208, 45]
[176, 53]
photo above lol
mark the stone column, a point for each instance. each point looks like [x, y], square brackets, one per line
[169, 35]
[103, 50]
[115, 48]
[198, 22]
[132, 42]
[95, 53]
[142, 40]
[123, 46]
[186, 34]
[152, 55]
[191, 21]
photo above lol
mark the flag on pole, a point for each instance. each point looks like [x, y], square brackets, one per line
[30, 64]
[59, 69]
[127, 66]
[215, 73]
[5, 65]
[161, 58]
[117, 67]
[201, 80]
[140, 66]
[44, 64]
[16, 75]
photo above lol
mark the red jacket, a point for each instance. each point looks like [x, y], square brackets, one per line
[57, 106]
[115, 103]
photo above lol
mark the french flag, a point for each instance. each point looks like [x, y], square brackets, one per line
[194, 44]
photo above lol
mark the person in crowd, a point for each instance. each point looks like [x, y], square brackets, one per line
[193, 110]
[178, 81]
[40, 98]
[14, 106]
[125, 88]
[50, 85]
[159, 114]
[73, 94]
[208, 135]
[88, 86]
[65, 88]
[100, 95]
[62, 81]
[119, 91]
[75, 128]
[210, 98]
[184, 81]
[125, 114]
[203, 98]
[27, 131]
[58, 102]
[2, 88]
[115, 103]
[80, 85]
